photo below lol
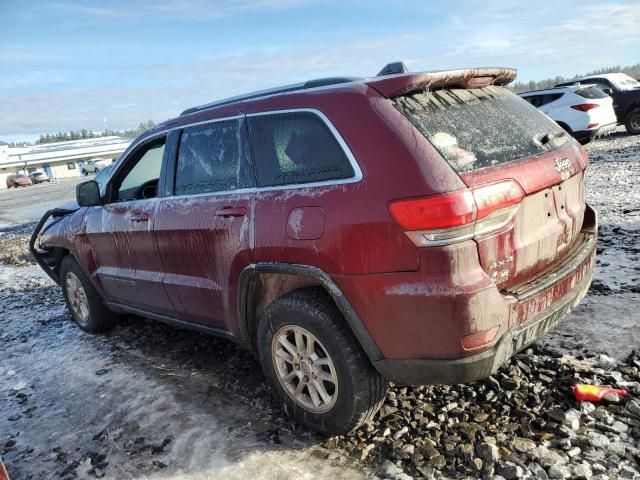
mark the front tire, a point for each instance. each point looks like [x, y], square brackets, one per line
[314, 364]
[83, 300]
[632, 122]
[85, 173]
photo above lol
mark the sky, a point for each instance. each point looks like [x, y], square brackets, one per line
[70, 64]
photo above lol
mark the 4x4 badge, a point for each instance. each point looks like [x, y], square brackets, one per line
[562, 164]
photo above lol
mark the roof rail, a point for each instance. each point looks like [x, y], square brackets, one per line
[319, 82]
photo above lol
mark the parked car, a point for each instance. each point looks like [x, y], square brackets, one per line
[93, 166]
[419, 228]
[39, 177]
[624, 90]
[584, 111]
[18, 180]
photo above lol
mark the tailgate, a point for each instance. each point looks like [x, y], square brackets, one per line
[527, 177]
[546, 224]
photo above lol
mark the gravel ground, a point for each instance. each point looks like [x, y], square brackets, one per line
[149, 401]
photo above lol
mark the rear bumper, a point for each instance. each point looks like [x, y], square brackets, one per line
[577, 274]
[595, 132]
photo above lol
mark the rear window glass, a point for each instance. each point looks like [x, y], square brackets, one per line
[478, 128]
[591, 92]
[296, 147]
[213, 158]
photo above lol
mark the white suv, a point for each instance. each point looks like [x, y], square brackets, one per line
[584, 111]
[93, 166]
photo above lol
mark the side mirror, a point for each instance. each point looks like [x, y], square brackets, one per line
[88, 194]
[608, 91]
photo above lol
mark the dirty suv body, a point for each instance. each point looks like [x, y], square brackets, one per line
[418, 228]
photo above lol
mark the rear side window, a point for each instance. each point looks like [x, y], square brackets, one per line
[540, 100]
[478, 128]
[296, 147]
[591, 92]
[535, 100]
[213, 158]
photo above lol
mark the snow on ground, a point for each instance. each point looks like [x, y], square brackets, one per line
[608, 319]
[150, 401]
[145, 401]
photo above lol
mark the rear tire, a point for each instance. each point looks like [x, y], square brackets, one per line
[83, 300]
[632, 122]
[85, 173]
[340, 388]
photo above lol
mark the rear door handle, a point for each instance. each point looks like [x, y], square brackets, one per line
[231, 212]
[139, 217]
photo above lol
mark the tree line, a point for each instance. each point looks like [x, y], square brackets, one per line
[631, 70]
[84, 134]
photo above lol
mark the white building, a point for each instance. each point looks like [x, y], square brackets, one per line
[4, 152]
[58, 160]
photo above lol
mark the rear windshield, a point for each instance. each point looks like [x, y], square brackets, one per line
[591, 92]
[479, 128]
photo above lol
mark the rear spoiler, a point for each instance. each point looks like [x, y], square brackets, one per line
[391, 86]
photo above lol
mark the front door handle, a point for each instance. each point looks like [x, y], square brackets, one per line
[231, 212]
[139, 217]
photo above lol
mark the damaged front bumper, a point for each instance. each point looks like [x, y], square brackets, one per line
[44, 258]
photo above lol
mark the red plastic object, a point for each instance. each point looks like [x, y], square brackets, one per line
[595, 393]
[3, 472]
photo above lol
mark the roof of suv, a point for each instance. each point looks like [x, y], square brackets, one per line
[389, 85]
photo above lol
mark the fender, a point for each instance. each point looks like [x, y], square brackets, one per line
[353, 320]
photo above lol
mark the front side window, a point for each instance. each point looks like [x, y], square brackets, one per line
[213, 158]
[71, 166]
[295, 148]
[142, 172]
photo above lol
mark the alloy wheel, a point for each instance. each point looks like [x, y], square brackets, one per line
[304, 368]
[77, 297]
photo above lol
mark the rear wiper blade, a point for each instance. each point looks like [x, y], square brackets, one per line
[548, 137]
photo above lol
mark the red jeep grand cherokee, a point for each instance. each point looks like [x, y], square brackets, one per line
[417, 228]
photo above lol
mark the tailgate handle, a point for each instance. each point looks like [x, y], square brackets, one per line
[231, 212]
[139, 217]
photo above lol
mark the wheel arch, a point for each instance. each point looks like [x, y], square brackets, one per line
[262, 283]
[630, 108]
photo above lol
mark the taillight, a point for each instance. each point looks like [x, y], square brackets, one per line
[439, 211]
[584, 107]
[459, 215]
[497, 196]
